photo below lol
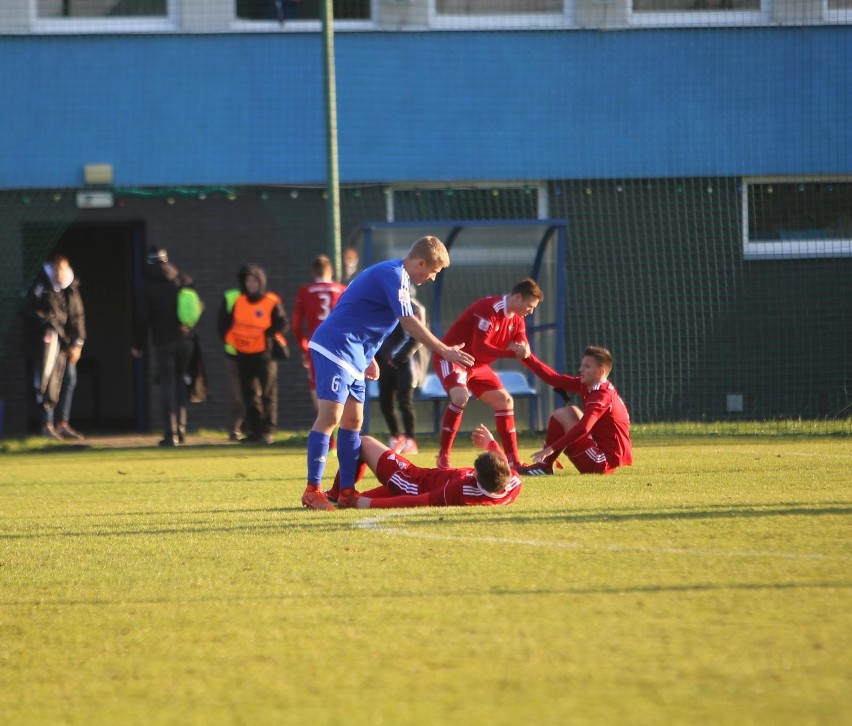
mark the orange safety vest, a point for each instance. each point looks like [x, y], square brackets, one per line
[251, 321]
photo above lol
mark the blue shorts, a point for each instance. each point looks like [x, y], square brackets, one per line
[334, 383]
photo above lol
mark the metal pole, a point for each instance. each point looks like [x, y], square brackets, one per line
[333, 176]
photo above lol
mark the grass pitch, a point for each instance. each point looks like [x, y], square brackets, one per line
[708, 584]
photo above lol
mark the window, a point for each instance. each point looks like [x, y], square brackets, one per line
[498, 14]
[101, 16]
[497, 7]
[101, 8]
[796, 218]
[504, 200]
[839, 11]
[282, 11]
[698, 12]
[693, 6]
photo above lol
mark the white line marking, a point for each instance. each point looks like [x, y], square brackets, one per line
[377, 524]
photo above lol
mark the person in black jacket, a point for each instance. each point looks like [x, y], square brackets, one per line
[402, 367]
[157, 312]
[255, 327]
[75, 331]
[55, 332]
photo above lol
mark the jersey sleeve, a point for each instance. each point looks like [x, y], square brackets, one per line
[550, 376]
[595, 405]
[482, 342]
[395, 289]
[400, 502]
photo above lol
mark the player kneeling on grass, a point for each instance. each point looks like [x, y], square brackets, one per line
[596, 439]
[489, 481]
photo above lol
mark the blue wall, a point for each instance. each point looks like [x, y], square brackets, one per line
[243, 109]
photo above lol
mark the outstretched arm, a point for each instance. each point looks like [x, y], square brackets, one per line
[482, 438]
[400, 502]
[550, 376]
[418, 331]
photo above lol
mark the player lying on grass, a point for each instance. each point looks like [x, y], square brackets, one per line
[596, 439]
[343, 349]
[489, 481]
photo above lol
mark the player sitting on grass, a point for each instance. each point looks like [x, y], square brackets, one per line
[489, 481]
[596, 439]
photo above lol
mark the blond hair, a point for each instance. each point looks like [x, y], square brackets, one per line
[431, 250]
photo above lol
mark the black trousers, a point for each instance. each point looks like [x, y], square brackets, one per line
[395, 388]
[172, 363]
[259, 386]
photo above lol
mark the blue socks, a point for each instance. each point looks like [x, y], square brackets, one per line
[317, 455]
[348, 453]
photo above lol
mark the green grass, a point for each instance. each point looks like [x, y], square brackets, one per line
[707, 584]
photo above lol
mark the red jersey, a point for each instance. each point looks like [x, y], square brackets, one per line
[313, 304]
[440, 487]
[486, 329]
[605, 416]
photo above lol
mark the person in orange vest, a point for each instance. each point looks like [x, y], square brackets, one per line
[255, 328]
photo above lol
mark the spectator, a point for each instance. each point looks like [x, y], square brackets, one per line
[236, 409]
[402, 367]
[76, 333]
[350, 264]
[53, 318]
[255, 328]
[157, 313]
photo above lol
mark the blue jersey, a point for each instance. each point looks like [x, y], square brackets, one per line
[364, 316]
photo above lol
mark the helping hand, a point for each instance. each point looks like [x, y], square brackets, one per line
[481, 437]
[540, 456]
[522, 349]
[455, 354]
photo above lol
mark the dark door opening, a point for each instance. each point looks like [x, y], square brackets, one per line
[103, 256]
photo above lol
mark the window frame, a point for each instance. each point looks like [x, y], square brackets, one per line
[700, 18]
[792, 249]
[502, 21]
[841, 16]
[540, 187]
[95, 25]
[247, 25]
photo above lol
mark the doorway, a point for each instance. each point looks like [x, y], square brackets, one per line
[110, 382]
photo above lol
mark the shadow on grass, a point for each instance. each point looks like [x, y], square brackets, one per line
[172, 528]
[700, 587]
[431, 517]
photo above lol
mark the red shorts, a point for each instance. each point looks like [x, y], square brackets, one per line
[400, 476]
[477, 379]
[588, 458]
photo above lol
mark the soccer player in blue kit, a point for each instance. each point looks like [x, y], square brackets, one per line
[342, 350]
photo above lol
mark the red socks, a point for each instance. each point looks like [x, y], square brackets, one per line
[450, 427]
[505, 421]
